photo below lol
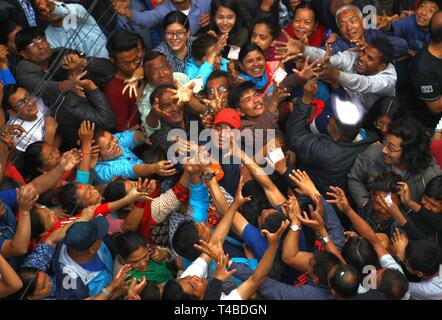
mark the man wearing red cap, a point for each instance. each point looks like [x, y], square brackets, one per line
[224, 122]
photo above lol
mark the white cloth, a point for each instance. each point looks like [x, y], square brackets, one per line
[427, 289]
[35, 130]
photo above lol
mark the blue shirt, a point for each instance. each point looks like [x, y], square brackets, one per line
[88, 39]
[8, 224]
[193, 70]
[123, 166]
[408, 29]
[153, 18]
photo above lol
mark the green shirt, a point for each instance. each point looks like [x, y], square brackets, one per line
[155, 272]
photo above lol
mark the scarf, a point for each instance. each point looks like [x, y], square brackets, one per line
[261, 82]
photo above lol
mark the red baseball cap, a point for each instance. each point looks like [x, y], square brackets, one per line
[229, 116]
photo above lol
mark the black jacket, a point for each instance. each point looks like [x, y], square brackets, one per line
[72, 110]
[326, 161]
[250, 11]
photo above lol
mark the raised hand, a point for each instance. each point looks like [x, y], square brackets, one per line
[292, 209]
[274, 238]
[279, 94]
[316, 222]
[132, 84]
[212, 248]
[86, 132]
[239, 198]
[221, 272]
[74, 84]
[339, 199]
[70, 159]
[3, 57]
[135, 288]
[156, 109]
[9, 132]
[204, 20]
[73, 62]
[307, 69]
[122, 8]
[359, 45]
[165, 168]
[306, 187]
[404, 193]
[399, 242]
[310, 90]
[290, 50]
[138, 191]
[26, 197]
[184, 94]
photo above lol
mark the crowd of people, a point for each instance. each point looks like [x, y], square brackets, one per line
[319, 179]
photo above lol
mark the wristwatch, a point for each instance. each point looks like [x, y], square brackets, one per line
[324, 240]
[209, 176]
[106, 293]
[295, 227]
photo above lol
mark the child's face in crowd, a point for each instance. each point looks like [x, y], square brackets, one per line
[262, 36]
[225, 19]
[24, 105]
[304, 23]
[109, 146]
[425, 12]
[158, 72]
[381, 214]
[220, 85]
[128, 61]
[49, 156]
[350, 25]
[392, 150]
[170, 106]
[432, 204]
[254, 64]
[88, 195]
[176, 36]
[139, 259]
[194, 285]
[251, 104]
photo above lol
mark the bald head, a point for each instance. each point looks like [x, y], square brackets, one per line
[436, 28]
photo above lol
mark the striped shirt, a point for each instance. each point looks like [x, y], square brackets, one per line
[175, 62]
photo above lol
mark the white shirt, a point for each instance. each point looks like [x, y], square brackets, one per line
[427, 289]
[200, 268]
[35, 130]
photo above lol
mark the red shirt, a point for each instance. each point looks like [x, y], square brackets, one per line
[436, 150]
[124, 107]
[101, 210]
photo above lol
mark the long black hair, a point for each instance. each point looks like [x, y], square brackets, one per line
[416, 153]
[230, 4]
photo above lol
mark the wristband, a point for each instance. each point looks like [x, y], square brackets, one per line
[140, 204]
[106, 293]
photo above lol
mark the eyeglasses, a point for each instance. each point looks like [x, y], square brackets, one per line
[36, 41]
[171, 35]
[136, 62]
[23, 102]
[220, 89]
[161, 69]
[390, 148]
